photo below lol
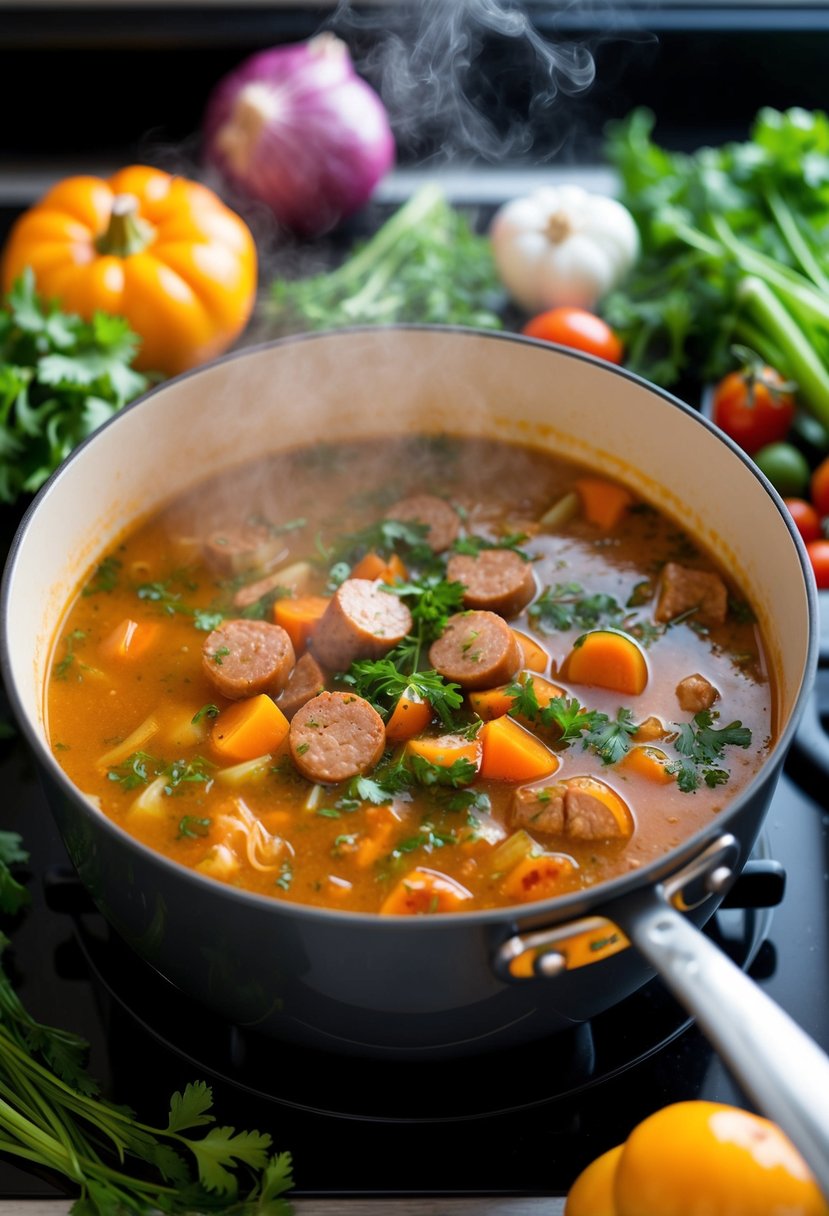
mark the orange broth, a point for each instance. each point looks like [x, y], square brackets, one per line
[132, 715]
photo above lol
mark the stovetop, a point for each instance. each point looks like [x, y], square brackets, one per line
[521, 1122]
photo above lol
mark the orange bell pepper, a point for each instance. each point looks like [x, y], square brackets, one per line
[161, 251]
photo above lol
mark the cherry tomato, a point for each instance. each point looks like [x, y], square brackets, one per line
[754, 406]
[579, 329]
[806, 518]
[818, 551]
[819, 488]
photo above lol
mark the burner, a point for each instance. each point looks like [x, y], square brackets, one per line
[424, 1091]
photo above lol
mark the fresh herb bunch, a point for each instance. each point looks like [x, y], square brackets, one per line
[60, 378]
[733, 249]
[52, 1116]
[426, 264]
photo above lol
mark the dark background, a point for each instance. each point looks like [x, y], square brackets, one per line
[110, 83]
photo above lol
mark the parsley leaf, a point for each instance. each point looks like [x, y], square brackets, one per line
[460, 772]
[60, 378]
[62, 1124]
[701, 746]
[381, 683]
[565, 606]
[610, 738]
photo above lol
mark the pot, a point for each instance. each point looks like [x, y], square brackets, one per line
[446, 984]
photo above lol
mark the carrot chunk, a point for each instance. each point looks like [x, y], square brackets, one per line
[250, 728]
[409, 717]
[373, 566]
[604, 502]
[130, 640]
[607, 659]
[535, 657]
[539, 877]
[489, 703]
[299, 616]
[423, 891]
[649, 762]
[445, 750]
[512, 753]
[381, 824]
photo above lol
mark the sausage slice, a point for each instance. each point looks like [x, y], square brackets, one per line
[476, 650]
[305, 681]
[335, 736]
[244, 658]
[441, 519]
[497, 580]
[362, 621]
[241, 548]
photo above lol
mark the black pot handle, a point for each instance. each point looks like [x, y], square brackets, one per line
[776, 1063]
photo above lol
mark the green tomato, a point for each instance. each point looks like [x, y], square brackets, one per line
[786, 468]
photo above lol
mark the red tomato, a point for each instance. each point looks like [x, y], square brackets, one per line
[579, 329]
[754, 406]
[806, 518]
[818, 551]
[819, 488]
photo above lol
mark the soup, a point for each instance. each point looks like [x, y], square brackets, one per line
[410, 676]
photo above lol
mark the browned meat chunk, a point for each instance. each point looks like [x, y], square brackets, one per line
[476, 650]
[496, 580]
[243, 658]
[440, 518]
[682, 589]
[305, 681]
[695, 693]
[236, 550]
[649, 730]
[588, 817]
[362, 621]
[538, 808]
[335, 736]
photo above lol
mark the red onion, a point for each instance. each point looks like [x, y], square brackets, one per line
[296, 128]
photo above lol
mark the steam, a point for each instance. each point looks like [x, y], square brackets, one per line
[450, 71]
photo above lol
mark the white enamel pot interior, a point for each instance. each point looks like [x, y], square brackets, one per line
[362, 383]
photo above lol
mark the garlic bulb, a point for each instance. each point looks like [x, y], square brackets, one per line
[562, 245]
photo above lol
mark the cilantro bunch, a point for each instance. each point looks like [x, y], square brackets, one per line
[52, 1116]
[60, 378]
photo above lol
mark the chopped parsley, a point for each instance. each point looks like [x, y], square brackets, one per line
[565, 606]
[383, 684]
[701, 746]
[105, 577]
[193, 827]
[61, 669]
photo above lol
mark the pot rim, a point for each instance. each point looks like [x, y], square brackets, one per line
[555, 909]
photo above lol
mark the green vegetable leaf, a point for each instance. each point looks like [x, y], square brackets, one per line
[190, 1109]
[218, 1151]
[60, 378]
[565, 605]
[425, 264]
[382, 683]
[701, 745]
[610, 738]
[460, 772]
